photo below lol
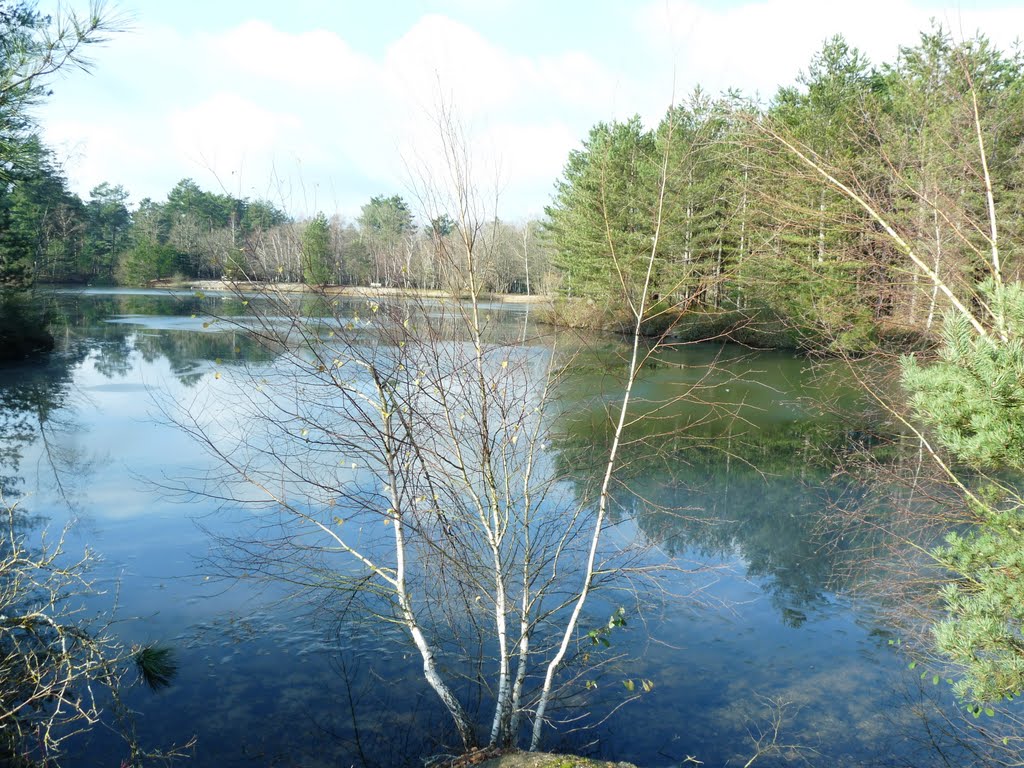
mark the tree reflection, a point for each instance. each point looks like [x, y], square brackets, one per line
[33, 397]
[58, 670]
[738, 485]
[116, 327]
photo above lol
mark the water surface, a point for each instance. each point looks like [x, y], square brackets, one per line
[733, 490]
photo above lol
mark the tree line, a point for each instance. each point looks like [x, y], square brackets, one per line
[49, 234]
[753, 238]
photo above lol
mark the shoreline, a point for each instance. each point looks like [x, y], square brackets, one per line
[356, 291]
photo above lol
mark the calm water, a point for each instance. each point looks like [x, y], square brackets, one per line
[770, 613]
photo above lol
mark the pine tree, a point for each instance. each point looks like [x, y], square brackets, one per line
[316, 252]
[602, 218]
[809, 266]
[973, 397]
[697, 207]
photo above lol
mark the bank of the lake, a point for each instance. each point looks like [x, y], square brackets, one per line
[758, 328]
[351, 291]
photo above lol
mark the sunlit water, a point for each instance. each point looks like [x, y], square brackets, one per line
[768, 618]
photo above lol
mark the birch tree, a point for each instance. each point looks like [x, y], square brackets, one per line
[396, 458]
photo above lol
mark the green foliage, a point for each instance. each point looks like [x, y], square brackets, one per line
[602, 218]
[208, 209]
[108, 232]
[985, 605]
[41, 223]
[23, 331]
[441, 226]
[261, 215]
[600, 635]
[385, 226]
[973, 395]
[390, 217]
[719, 245]
[817, 303]
[38, 227]
[316, 252]
[145, 261]
[973, 398]
[206, 230]
[746, 227]
[22, 48]
[705, 207]
[156, 665]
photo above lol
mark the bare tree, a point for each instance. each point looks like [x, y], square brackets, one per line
[397, 457]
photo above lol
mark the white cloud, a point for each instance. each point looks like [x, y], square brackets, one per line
[533, 149]
[94, 151]
[530, 157]
[310, 118]
[576, 78]
[759, 46]
[312, 60]
[225, 132]
[438, 51]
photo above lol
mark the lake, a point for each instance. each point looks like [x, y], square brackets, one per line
[762, 604]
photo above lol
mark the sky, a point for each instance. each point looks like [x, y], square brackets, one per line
[318, 105]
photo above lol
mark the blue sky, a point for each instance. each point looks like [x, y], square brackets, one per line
[319, 105]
